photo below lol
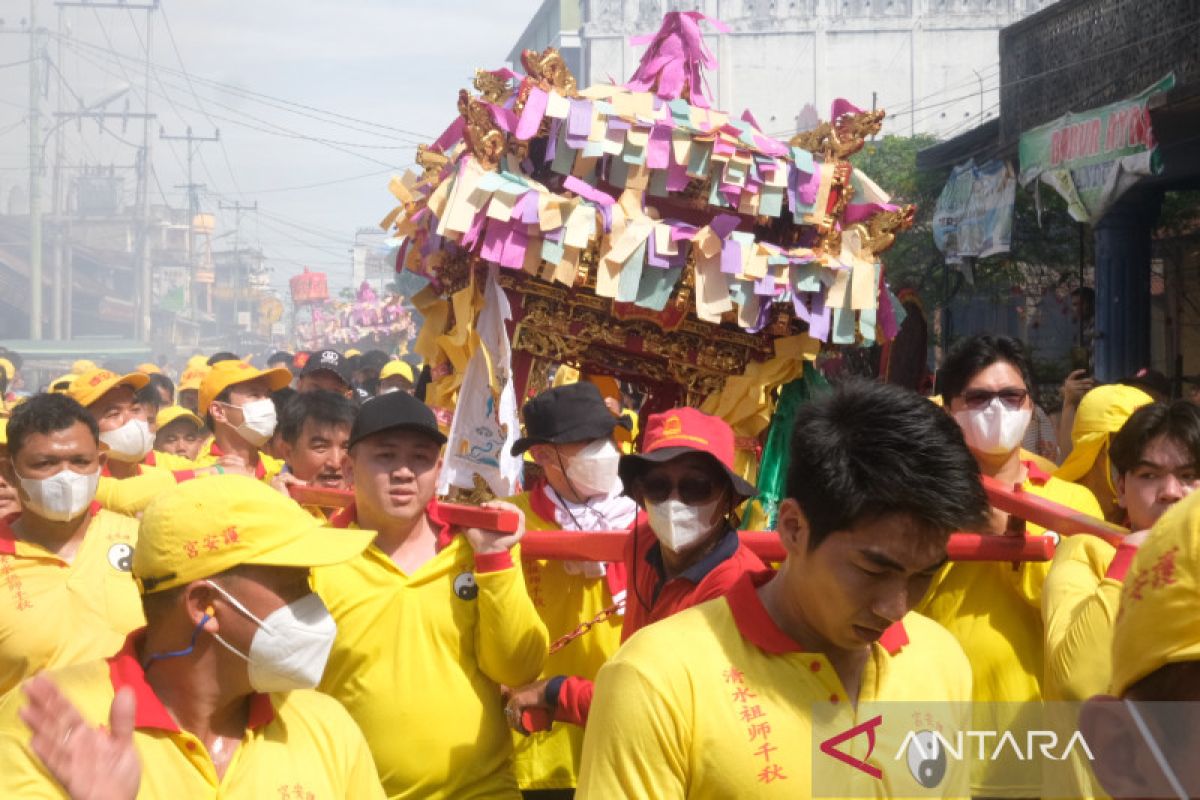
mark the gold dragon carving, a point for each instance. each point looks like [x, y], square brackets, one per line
[843, 137]
[879, 232]
[483, 137]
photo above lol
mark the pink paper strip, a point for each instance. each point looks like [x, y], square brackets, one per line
[451, 136]
[532, 114]
[677, 177]
[857, 212]
[515, 244]
[658, 150]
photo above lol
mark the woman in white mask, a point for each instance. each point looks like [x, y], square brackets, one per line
[993, 609]
[684, 548]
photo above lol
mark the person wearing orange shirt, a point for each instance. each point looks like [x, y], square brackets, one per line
[67, 594]
[994, 610]
[432, 620]
[213, 697]
[726, 699]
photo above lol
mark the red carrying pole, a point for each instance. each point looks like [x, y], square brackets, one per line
[557, 545]
[1048, 514]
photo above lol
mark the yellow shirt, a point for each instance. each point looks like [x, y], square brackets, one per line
[265, 471]
[130, 496]
[52, 613]
[718, 702]
[995, 613]
[419, 659]
[299, 745]
[550, 759]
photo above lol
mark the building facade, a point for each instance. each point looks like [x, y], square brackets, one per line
[932, 64]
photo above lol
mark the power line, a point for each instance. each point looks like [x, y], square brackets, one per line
[281, 103]
[373, 174]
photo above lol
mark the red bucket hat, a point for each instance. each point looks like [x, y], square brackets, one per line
[681, 431]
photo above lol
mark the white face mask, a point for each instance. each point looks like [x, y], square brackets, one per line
[130, 442]
[593, 470]
[291, 645]
[995, 428]
[258, 422]
[678, 525]
[61, 497]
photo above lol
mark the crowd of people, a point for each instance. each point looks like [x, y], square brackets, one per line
[174, 624]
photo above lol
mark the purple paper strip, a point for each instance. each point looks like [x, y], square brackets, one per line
[532, 114]
[798, 302]
[681, 231]
[821, 319]
[764, 316]
[618, 124]
[472, 234]
[529, 208]
[725, 224]
[552, 139]
[807, 190]
[652, 256]
[493, 241]
[765, 285]
[579, 121]
[770, 146]
[731, 257]
[505, 119]
[587, 191]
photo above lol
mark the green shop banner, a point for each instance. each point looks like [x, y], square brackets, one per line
[1093, 157]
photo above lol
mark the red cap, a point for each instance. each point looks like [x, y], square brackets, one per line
[680, 430]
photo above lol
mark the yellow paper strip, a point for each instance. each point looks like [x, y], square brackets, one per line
[712, 287]
[557, 106]
[837, 293]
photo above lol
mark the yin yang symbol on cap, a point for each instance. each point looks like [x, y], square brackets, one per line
[465, 586]
[120, 557]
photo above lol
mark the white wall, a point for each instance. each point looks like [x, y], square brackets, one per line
[929, 61]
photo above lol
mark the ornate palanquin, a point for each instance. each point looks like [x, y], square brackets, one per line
[642, 234]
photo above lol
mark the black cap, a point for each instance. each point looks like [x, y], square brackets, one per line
[281, 357]
[329, 360]
[397, 410]
[566, 414]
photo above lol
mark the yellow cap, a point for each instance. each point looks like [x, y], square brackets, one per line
[83, 365]
[8, 369]
[1101, 413]
[396, 368]
[1156, 623]
[224, 374]
[149, 369]
[3, 431]
[564, 375]
[352, 352]
[62, 383]
[192, 378]
[90, 386]
[197, 361]
[202, 528]
[169, 414]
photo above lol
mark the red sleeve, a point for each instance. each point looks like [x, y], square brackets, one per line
[574, 701]
[493, 562]
[184, 475]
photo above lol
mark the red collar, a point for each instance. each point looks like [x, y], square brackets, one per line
[150, 460]
[540, 502]
[757, 627]
[1035, 473]
[260, 469]
[8, 539]
[125, 670]
[343, 518]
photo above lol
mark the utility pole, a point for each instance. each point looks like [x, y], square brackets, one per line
[143, 287]
[35, 175]
[193, 198]
[58, 208]
[237, 208]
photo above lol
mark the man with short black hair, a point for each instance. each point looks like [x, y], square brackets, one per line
[722, 700]
[432, 619]
[70, 597]
[314, 433]
[985, 384]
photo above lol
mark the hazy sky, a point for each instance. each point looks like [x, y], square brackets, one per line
[397, 64]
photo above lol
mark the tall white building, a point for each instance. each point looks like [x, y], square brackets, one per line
[933, 64]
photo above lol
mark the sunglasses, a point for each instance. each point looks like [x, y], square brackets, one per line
[981, 398]
[692, 489]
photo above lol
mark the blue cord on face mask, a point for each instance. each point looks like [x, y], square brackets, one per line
[177, 653]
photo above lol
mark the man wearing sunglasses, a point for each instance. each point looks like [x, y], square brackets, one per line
[684, 549]
[993, 609]
[725, 699]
